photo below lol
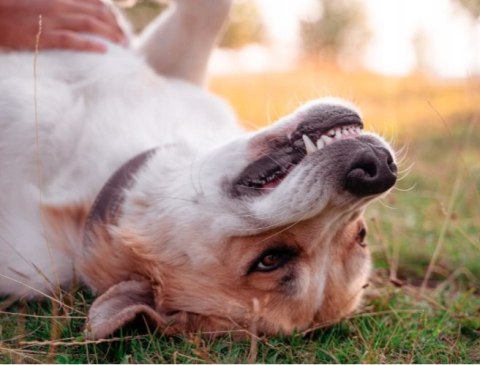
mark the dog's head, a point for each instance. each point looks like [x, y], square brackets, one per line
[263, 233]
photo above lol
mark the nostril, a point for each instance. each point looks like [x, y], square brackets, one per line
[369, 168]
[391, 164]
[393, 167]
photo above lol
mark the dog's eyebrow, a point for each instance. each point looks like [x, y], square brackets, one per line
[108, 201]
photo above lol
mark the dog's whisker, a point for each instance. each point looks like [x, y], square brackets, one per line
[382, 202]
[404, 172]
[406, 189]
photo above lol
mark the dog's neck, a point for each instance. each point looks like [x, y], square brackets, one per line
[106, 207]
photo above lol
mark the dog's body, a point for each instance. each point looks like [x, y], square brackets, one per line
[88, 126]
[212, 228]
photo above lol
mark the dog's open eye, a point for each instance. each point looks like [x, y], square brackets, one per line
[272, 259]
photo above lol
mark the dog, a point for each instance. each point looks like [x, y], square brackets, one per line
[122, 170]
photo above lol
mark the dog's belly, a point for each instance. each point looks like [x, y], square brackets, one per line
[65, 130]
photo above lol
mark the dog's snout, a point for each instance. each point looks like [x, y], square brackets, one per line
[373, 171]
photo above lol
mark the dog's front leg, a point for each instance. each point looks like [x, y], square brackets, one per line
[179, 42]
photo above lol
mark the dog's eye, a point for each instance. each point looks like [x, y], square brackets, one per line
[272, 259]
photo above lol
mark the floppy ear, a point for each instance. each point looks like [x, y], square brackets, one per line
[119, 305]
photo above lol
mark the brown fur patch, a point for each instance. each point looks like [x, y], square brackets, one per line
[348, 276]
[64, 225]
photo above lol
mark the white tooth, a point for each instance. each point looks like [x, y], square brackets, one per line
[320, 143]
[309, 145]
[331, 133]
[327, 140]
[338, 134]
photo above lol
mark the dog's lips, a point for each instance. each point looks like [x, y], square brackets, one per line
[268, 172]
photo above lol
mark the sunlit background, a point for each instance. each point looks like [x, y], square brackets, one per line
[392, 37]
[402, 61]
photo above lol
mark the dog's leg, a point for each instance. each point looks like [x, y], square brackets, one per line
[179, 43]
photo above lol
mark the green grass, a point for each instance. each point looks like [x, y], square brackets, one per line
[434, 222]
[398, 325]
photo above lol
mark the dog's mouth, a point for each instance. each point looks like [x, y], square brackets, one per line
[268, 171]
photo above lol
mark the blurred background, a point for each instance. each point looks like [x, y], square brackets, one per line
[398, 59]
[413, 67]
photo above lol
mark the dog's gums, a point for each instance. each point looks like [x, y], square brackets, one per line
[199, 225]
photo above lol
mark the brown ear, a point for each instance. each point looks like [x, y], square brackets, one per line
[120, 305]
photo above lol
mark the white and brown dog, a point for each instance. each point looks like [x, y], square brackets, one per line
[121, 170]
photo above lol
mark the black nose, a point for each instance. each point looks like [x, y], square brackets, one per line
[373, 171]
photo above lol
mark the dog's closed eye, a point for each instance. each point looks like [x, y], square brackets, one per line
[272, 259]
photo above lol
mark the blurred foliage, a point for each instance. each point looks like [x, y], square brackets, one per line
[244, 26]
[141, 12]
[473, 9]
[472, 6]
[420, 43]
[339, 29]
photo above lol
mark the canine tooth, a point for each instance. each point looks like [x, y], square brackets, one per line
[320, 143]
[309, 145]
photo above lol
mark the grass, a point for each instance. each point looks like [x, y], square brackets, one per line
[431, 221]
